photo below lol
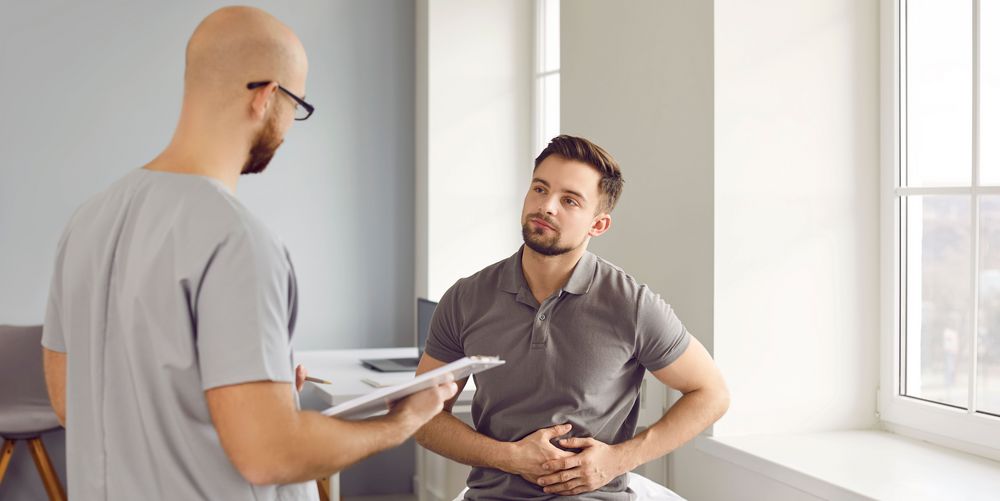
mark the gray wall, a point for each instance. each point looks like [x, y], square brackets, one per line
[92, 90]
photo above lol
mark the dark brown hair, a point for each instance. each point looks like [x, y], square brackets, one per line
[582, 150]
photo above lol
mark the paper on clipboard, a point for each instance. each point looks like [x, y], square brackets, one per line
[378, 400]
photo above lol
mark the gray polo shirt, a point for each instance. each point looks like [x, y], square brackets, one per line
[165, 286]
[579, 357]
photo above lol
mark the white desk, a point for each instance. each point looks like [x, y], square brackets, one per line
[343, 368]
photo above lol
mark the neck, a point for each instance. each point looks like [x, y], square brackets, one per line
[205, 148]
[547, 274]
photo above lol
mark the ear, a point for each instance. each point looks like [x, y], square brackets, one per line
[602, 223]
[261, 100]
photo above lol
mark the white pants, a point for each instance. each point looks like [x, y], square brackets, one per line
[644, 488]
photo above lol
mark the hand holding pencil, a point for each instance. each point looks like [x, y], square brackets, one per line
[301, 377]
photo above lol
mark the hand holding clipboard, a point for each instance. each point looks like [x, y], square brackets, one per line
[378, 401]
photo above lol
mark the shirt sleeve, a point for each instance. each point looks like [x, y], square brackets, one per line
[53, 335]
[444, 341]
[243, 312]
[660, 336]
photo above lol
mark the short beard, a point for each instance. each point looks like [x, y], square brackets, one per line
[263, 148]
[545, 246]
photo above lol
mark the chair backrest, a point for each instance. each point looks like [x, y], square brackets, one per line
[24, 401]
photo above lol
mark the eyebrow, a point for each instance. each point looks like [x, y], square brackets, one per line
[547, 185]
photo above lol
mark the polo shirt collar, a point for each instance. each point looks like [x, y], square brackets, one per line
[583, 275]
[579, 281]
[513, 278]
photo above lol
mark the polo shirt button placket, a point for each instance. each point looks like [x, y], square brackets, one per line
[539, 331]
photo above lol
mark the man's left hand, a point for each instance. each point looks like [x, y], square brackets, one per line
[300, 377]
[596, 465]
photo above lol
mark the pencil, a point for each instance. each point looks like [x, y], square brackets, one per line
[317, 380]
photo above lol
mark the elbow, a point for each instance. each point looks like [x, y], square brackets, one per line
[724, 404]
[261, 469]
[722, 401]
[265, 461]
[259, 476]
[256, 474]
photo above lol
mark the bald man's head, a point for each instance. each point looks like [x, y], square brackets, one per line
[237, 45]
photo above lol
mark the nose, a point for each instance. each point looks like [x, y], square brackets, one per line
[549, 205]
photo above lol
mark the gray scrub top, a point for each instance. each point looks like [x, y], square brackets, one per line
[579, 358]
[165, 286]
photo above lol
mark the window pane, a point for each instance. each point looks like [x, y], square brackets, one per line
[550, 107]
[938, 287]
[989, 91]
[539, 116]
[550, 54]
[938, 92]
[988, 384]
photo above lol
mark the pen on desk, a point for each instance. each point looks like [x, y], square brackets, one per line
[317, 380]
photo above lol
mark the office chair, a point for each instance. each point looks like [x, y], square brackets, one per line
[25, 411]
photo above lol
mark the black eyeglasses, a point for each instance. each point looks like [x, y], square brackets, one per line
[303, 111]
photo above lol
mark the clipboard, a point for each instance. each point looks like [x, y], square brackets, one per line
[378, 400]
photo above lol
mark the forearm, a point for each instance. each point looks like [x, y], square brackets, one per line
[317, 446]
[450, 437]
[689, 416]
[54, 364]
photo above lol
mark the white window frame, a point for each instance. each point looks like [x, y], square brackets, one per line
[951, 427]
[538, 73]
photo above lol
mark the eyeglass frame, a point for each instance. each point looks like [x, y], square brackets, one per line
[301, 102]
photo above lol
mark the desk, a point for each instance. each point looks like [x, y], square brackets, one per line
[343, 368]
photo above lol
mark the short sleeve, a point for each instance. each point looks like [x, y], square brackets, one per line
[444, 341]
[53, 335]
[243, 312]
[660, 336]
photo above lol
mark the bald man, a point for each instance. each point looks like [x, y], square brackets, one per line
[167, 336]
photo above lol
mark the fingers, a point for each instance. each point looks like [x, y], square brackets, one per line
[447, 390]
[573, 480]
[431, 401]
[560, 477]
[555, 431]
[577, 443]
[300, 377]
[562, 464]
[572, 488]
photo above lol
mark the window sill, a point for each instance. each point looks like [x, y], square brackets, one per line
[861, 465]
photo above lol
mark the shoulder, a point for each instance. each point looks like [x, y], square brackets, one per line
[490, 276]
[614, 284]
[488, 279]
[207, 208]
[198, 212]
[479, 289]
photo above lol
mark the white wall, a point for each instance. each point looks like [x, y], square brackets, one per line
[747, 132]
[643, 91]
[93, 90]
[703, 477]
[473, 148]
[796, 213]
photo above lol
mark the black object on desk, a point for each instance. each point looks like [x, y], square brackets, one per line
[425, 310]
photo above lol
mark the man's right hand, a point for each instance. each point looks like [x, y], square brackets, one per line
[417, 409]
[532, 451]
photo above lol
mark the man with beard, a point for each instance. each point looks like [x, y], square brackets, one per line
[577, 335]
[167, 336]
